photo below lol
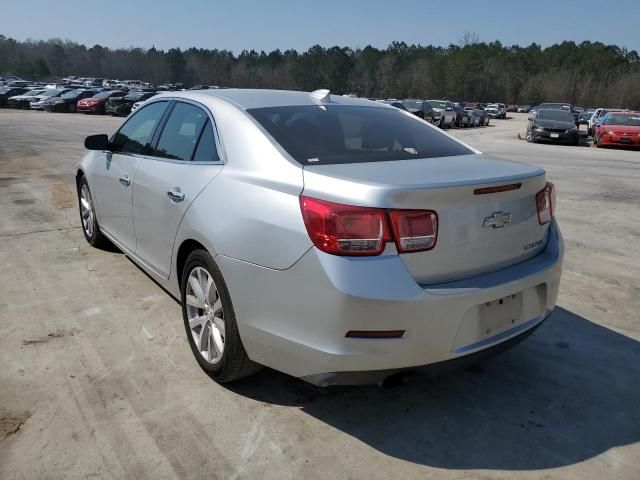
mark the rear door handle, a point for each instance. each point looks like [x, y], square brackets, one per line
[175, 195]
[125, 180]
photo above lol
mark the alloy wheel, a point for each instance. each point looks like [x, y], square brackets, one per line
[205, 315]
[86, 210]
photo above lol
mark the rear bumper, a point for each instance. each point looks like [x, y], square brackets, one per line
[295, 320]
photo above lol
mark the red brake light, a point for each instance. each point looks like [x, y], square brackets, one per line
[545, 203]
[414, 230]
[345, 229]
[351, 230]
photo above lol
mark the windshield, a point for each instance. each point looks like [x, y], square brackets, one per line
[437, 104]
[558, 115]
[51, 93]
[627, 120]
[103, 95]
[316, 135]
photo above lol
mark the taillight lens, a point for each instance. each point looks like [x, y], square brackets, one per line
[345, 229]
[351, 230]
[545, 203]
[414, 230]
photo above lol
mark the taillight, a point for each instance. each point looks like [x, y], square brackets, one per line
[351, 230]
[345, 229]
[545, 203]
[414, 230]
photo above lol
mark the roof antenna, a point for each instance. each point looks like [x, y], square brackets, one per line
[321, 95]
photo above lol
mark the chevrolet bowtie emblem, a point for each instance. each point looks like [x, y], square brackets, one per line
[497, 220]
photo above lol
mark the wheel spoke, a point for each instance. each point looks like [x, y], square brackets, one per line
[194, 322]
[207, 289]
[205, 333]
[196, 287]
[217, 342]
[219, 324]
[217, 307]
[194, 302]
[85, 204]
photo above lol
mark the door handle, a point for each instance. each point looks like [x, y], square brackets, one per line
[125, 180]
[175, 195]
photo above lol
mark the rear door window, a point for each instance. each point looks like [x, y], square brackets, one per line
[181, 132]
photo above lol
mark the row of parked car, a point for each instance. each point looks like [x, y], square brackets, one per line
[560, 122]
[87, 100]
[447, 114]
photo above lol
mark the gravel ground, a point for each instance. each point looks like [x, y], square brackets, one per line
[98, 380]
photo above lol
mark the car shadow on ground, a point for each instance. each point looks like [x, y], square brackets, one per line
[567, 393]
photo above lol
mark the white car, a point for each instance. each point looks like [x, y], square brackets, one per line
[591, 125]
[445, 115]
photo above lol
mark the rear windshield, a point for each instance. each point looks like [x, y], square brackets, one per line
[318, 135]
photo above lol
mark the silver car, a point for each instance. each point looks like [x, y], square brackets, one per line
[332, 238]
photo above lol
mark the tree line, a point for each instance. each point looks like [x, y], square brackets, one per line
[587, 74]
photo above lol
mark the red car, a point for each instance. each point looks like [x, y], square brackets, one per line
[96, 103]
[618, 128]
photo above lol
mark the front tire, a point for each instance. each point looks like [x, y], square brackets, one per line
[210, 322]
[88, 218]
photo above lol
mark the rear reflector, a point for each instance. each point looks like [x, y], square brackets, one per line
[374, 333]
[499, 188]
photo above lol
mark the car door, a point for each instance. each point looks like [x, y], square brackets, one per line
[116, 170]
[186, 158]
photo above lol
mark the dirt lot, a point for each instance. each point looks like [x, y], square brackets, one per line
[98, 381]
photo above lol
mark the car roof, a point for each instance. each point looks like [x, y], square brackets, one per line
[261, 98]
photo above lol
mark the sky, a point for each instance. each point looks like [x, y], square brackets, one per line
[269, 24]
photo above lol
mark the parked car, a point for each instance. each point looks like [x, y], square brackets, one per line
[463, 117]
[444, 115]
[618, 128]
[420, 108]
[523, 108]
[122, 105]
[23, 100]
[310, 242]
[66, 102]
[96, 104]
[8, 92]
[502, 109]
[560, 106]
[478, 116]
[585, 115]
[204, 87]
[39, 100]
[597, 115]
[493, 110]
[555, 125]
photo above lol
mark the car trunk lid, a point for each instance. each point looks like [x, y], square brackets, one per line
[479, 231]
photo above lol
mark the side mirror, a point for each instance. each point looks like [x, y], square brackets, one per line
[97, 142]
[531, 118]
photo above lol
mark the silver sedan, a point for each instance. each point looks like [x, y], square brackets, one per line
[332, 238]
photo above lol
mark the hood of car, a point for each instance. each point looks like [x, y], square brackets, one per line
[628, 129]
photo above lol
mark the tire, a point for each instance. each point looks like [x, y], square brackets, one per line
[72, 108]
[530, 138]
[88, 218]
[220, 353]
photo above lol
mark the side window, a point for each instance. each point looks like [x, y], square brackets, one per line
[181, 132]
[136, 133]
[206, 150]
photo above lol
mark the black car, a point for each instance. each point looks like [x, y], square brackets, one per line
[67, 102]
[420, 108]
[559, 106]
[6, 92]
[556, 125]
[122, 105]
[23, 100]
[394, 103]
